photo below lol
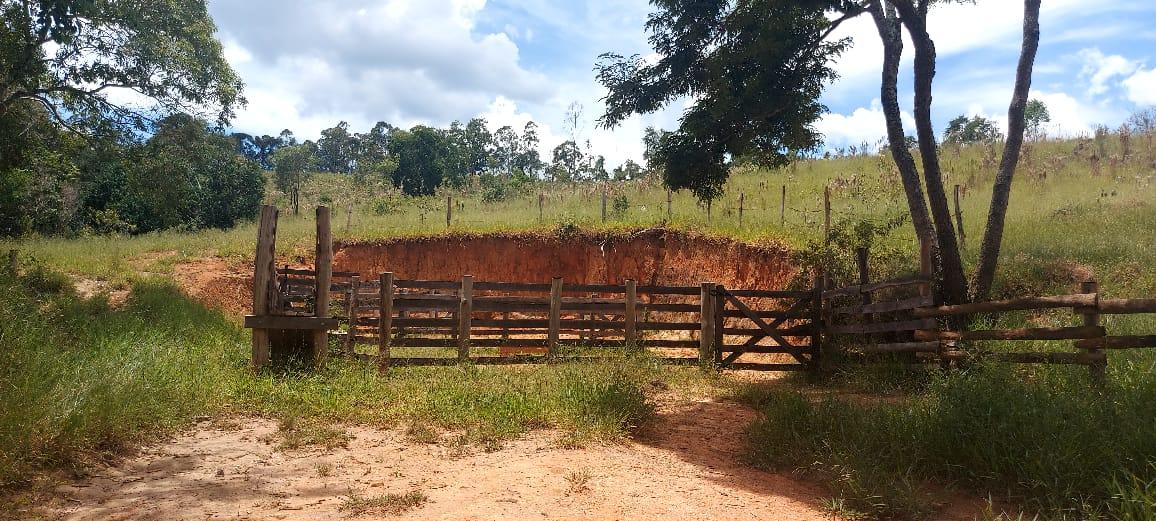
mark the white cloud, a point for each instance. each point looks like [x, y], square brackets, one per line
[1141, 87]
[1100, 68]
[863, 125]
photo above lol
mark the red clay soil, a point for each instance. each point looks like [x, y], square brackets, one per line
[653, 256]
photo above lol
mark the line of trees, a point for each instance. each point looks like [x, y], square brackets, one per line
[422, 159]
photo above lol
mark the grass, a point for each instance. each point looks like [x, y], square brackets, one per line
[81, 379]
[390, 503]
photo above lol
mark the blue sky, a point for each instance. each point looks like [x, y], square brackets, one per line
[308, 64]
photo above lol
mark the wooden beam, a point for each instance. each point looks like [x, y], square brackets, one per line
[1118, 342]
[630, 316]
[902, 347]
[259, 322]
[263, 274]
[324, 267]
[1041, 333]
[1060, 301]
[882, 327]
[351, 310]
[385, 322]
[1119, 306]
[465, 316]
[555, 315]
[706, 322]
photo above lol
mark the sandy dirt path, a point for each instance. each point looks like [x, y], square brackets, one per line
[683, 466]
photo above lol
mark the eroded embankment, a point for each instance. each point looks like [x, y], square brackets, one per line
[652, 257]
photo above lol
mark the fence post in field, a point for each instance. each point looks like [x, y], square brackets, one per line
[324, 271]
[603, 205]
[718, 307]
[351, 311]
[449, 209]
[263, 275]
[1098, 358]
[629, 316]
[385, 321]
[706, 317]
[783, 208]
[465, 314]
[827, 213]
[925, 267]
[959, 220]
[669, 211]
[742, 197]
[555, 316]
[541, 205]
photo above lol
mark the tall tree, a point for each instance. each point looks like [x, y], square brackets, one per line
[1001, 192]
[335, 149]
[70, 55]
[292, 165]
[566, 163]
[422, 159]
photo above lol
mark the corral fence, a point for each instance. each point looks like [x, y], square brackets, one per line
[899, 316]
[430, 322]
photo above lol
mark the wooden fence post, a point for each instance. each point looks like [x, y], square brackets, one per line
[630, 316]
[827, 213]
[541, 206]
[324, 269]
[1098, 358]
[385, 322]
[351, 306]
[465, 317]
[925, 267]
[783, 208]
[603, 205]
[861, 258]
[555, 316]
[263, 277]
[959, 220]
[716, 328]
[669, 210]
[817, 325]
[449, 209]
[706, 318]
[742, 197]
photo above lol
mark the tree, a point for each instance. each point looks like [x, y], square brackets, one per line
[528, 161]
[566, 163]
[507, 148]
[968, 131]
[422, 159]
[627, 170]
[292, 165]
[69, 55]
[335, 149]
[756, 69]
[1035, 115]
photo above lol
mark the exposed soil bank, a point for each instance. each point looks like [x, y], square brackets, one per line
[652, 256]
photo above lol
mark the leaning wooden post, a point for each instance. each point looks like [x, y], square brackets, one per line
[449, 209]
[555, 316]
[926, 270]
[706, 319]
[541, 206]
[465, 317]
[629, 316]
[263, 275]
[385, 322]
[1097, 358]
[324, 268]
[959, 220]
[351, 311]
[742, 196]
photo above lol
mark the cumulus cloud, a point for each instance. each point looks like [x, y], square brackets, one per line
[1141, 87]
[862, 125]
[1099, 69]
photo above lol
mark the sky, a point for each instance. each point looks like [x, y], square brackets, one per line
[308, 64]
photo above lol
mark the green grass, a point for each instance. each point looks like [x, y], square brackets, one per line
[82, 379]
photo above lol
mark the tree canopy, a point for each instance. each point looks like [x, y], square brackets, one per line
[755, 69]
[70, 55]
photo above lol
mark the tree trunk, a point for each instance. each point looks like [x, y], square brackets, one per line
[954, 282]
[1001, 193]
[890, 33]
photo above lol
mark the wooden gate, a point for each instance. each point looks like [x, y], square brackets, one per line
[793, 328]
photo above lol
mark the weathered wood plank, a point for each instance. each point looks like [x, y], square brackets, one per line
[881, 327]
[1047, 302]
[1118, 342]
[1119, 306]
[886, 306]
[1039, 333]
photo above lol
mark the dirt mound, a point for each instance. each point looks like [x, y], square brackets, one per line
[217, 283]
[653, 256]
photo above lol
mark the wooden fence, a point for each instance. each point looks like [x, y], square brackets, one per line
[907, 322]
[422, 322]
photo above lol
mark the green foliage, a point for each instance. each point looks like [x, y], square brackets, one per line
[292, 165]
[756, 94]
[977, 129]
[68, 54]
[836, 256]
[620, 206]
[1035, 115]
[423, 158]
